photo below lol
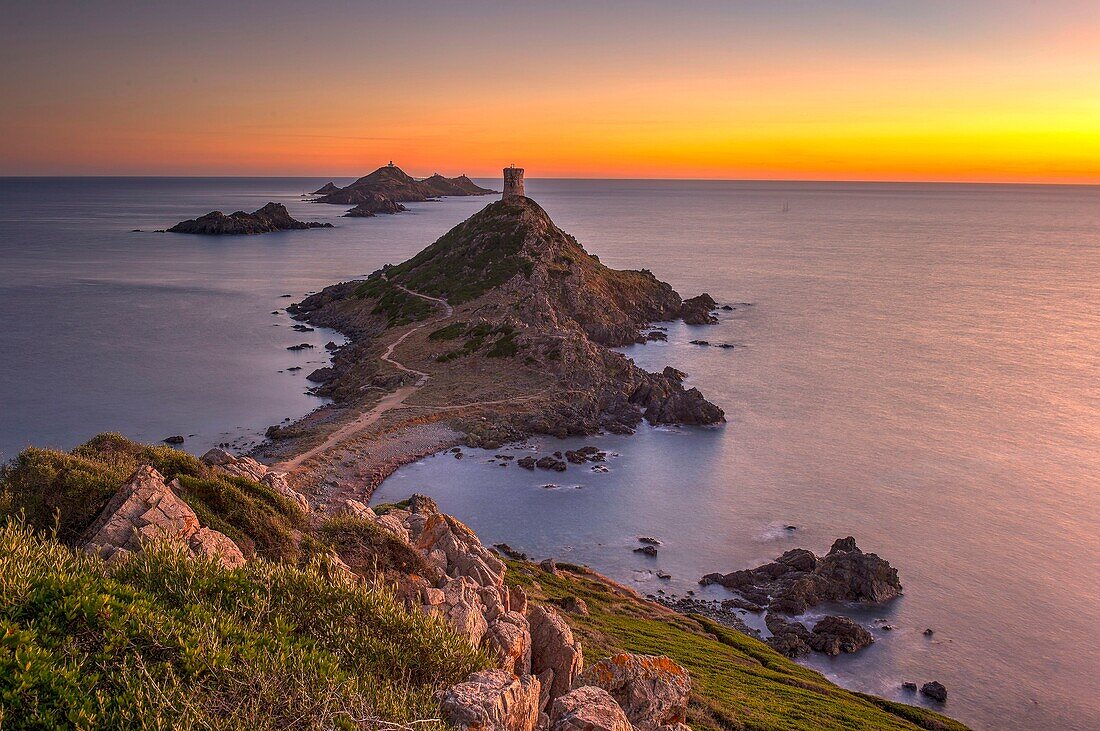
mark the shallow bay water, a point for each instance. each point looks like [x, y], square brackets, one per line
[918, 368]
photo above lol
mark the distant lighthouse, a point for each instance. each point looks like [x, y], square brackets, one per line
[513, 183]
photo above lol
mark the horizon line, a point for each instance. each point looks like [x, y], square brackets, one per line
[859, 181]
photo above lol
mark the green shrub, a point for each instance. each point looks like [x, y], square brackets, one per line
[168, 641]
[48, 486]
[448, 332]
[368, 548]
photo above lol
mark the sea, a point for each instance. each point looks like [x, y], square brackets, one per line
[914, 365]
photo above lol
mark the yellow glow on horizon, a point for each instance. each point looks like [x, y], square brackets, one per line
[1020, 108]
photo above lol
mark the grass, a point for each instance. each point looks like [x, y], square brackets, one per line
[448, 332]
[368, 549]
[479, 254]
[66, 491]
[396, 305]
[737, 681]
[168, 641]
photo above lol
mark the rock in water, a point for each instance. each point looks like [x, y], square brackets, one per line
[834, 635]
[696, 311]
[272, 217]
[394, 183]
[373, 204]
[798, 579]
[934, 690]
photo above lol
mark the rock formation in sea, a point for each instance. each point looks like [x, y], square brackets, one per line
[373, 204]
[534, 319]
[272, 217]
[799, 580]
[399, 186]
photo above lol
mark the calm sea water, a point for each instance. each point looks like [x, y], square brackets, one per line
[919, 368]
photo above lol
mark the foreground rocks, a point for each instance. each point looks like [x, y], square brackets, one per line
[147, 509]
[799, 580]
[493, 699]
[652, 691]
[588, 709]
[270, 218]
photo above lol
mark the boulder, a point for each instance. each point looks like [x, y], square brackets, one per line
[509, 640]
[554, 649]
[799, 580]
[934, 690]
[652, 691]
[462, 608]
[789, 638]
[696, 310]
[493, 700]
[588, 709]
[834, 635]
[144, 509]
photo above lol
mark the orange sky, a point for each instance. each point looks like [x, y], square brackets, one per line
[848, 89]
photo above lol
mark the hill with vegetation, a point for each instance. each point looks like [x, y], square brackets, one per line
[349, 619]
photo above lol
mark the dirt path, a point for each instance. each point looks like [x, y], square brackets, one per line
[388, 402]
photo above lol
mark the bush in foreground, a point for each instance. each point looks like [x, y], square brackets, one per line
[165, 640]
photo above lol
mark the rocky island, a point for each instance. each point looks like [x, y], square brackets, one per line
[272, 217]
[398, 186]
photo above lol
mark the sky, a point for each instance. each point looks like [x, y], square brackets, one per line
[970, 90]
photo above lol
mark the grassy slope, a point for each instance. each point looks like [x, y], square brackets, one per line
[738, 682]
[169, 641]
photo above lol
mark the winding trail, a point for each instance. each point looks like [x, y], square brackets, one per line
[388, 402]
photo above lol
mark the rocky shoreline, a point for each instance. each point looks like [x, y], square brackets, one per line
[268, 219]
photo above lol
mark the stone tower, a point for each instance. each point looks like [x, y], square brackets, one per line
[513, 182]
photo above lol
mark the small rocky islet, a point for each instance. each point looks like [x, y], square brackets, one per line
[268, 219]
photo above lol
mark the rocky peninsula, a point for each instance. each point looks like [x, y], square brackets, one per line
[502, 328]
[272, 217]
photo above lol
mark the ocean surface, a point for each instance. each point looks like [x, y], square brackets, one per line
[917, 366]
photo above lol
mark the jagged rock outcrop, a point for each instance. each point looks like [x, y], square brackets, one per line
[329, 187]
[697, 310]
[251, 469]
[398, 185]
[146, 509]
[588, 709]
[799, 580]
[272, 217]
[556, 656]
[652, 691]
[374, 203]
[509, 639]
[834, 635]
[493, 700]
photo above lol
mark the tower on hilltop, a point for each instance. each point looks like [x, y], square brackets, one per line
[513, 183]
